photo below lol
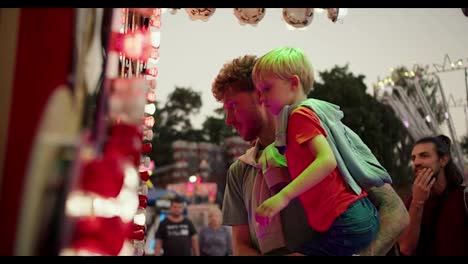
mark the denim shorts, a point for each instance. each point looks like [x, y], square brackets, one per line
[351, 232]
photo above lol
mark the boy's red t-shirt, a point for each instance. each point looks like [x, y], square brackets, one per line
[325, 201]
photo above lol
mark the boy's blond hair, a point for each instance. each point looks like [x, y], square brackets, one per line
[284, 63]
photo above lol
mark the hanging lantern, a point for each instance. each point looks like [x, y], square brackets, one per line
[465, 11]
[200, 13]
[173, 11]
[336, 14]
[298, 17]
[249, 15]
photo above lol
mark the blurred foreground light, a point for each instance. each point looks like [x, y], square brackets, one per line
[192, 179]
[150, 109]
[79, 204]
[406, 123]
[139, 219]
[428, 118]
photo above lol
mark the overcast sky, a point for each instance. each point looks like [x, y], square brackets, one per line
[370, 40]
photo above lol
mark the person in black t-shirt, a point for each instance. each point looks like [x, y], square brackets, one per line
[176, 234]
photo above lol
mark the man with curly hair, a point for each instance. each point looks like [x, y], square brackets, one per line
[249, 179]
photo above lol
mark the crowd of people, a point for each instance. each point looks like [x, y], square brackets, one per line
[309, 185]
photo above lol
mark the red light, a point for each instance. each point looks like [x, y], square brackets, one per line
[149, 121]
[138, 235]
[152, 83]
[154, 53]
[143, 201]
[190, 188]
[148, 135]
[144, 175]
[153, 72]
[146, 148]
[135, 45]
[151, 96]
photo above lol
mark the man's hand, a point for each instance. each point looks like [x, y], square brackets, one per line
[422, 185]
[270, 208]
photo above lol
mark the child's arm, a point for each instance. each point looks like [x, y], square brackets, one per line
[322, 166]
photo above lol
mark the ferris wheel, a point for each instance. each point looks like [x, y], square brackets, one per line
[416, 113]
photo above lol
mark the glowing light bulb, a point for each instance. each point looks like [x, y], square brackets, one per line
[129, 204]
[406, 123]
[151, 96]
[79, 204]
[150, 109]
[155, 37]
[105, 207]
[192, 179]
[149, 121]
[132, 178]
[428, 118]
[139, 219]
[152, 72]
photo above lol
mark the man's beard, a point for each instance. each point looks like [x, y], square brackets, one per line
[436, 173]
[435, 176]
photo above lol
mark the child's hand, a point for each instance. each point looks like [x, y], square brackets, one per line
[270, 208]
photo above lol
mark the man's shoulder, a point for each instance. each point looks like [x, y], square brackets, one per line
[238, 167]
[239, 172]
[237, 163]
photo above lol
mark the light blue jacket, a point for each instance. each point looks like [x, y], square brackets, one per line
[357, 164]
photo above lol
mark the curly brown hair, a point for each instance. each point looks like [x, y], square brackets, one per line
[235, 75]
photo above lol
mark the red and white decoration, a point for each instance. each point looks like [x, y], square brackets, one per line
[295, 18]
[107, 205]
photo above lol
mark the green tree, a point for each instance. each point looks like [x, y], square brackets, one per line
[374, 122]
[173, 123]
[215, 127]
